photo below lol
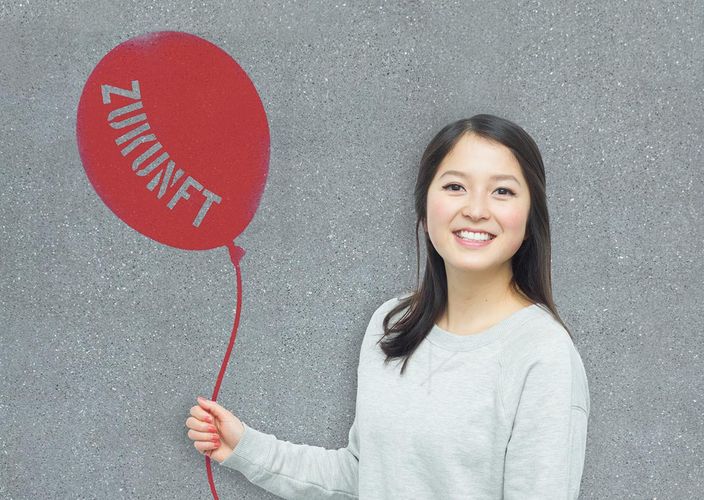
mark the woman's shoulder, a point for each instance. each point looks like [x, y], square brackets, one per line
[390, 304]
[540, 337]
[539, 328]
[375, 327]
[542, 341]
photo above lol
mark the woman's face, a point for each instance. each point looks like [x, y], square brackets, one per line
[463, 195]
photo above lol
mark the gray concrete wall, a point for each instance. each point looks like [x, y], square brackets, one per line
[107, 336]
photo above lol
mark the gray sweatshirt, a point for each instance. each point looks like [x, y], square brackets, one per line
[498, 414]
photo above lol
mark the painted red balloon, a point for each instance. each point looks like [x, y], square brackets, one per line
[174, 138]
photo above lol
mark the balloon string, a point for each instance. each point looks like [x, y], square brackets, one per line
[236, 253]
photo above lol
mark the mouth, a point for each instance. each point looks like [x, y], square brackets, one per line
[471, 236]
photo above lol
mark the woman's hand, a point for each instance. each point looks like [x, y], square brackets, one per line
[214, 430]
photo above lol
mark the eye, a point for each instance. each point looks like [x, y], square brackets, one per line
[452, 184]
[507, 189]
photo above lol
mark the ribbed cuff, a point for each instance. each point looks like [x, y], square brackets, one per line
[252, 451]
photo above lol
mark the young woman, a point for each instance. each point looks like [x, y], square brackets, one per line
[491, 399]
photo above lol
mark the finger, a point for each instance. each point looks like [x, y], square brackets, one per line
[213, 407]
[203, 446]
[204, 436]
[201, 414]
[199, 425]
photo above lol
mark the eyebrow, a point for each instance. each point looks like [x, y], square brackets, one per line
[493, 177]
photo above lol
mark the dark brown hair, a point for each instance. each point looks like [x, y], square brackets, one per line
[530, 264]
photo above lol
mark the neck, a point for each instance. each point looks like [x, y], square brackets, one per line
[478, 299]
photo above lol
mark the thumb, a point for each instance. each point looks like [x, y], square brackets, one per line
[214, 408]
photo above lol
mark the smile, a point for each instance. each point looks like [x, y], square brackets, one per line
[473, 240]
[471, 236]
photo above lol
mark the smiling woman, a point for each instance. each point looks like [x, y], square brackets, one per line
[491, 400]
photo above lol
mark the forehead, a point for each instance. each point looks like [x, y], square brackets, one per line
[475, 155]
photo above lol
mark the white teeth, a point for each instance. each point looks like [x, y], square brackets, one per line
[467, 235]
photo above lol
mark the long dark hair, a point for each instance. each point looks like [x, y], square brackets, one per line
[530, 264]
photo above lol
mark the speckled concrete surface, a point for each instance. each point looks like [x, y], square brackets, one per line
[107, 336]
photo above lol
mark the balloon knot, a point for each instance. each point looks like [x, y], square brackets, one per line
[236, 253]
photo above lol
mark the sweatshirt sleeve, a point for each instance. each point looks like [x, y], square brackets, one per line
[297, 470]
[545, 452]
[301, 471]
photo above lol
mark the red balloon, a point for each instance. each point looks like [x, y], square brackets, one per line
[174, 138]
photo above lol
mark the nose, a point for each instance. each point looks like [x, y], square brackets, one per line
[476, 208]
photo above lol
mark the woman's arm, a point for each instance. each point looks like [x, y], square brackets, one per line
[297, 470]
[545, 453]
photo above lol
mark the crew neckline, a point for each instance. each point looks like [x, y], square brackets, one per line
[455, 342]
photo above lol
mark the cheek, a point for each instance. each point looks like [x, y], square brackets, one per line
[513, 222]
[439, 213]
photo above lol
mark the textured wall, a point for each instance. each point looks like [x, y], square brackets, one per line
[107, 336]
